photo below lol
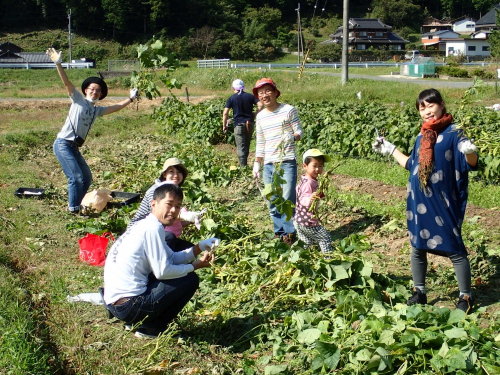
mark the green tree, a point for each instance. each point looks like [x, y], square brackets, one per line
[261, 23]
[327, 52]
[494, 38]
[397, 13]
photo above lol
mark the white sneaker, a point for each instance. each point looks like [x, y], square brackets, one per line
[143, 335]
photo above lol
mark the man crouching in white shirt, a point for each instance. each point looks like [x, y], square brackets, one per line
[144, 280]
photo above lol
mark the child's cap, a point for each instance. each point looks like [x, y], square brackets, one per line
[314, 152]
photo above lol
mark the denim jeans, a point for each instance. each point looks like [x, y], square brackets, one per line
[460, 263]
[158, 305]
[242, 138]
[280, 224]
[76, 170]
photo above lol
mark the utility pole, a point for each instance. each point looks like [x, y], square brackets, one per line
[345, 44]
[69, 38]
[299, 35]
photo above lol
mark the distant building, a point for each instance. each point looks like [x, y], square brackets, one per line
[432, 25]
[464, 25]
[12, 54]
[489, 21]
[368, 32]
[467, 47]
[435, 38]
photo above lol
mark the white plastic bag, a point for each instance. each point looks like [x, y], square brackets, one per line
[96, 200]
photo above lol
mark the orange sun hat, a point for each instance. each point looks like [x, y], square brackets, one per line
[265, 81]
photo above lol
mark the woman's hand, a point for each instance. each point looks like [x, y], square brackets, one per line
[54, 55]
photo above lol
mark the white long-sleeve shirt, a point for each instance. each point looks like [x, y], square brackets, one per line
[138, 252]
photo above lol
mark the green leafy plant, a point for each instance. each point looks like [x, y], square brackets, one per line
[154, 58]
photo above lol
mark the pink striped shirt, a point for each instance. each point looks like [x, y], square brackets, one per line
[269, 128]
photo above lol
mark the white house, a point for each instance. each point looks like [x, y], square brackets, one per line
[464, 25]
[467, 47]
[481, 34]
[435, 38]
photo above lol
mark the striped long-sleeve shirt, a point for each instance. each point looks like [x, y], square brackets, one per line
[269, 128]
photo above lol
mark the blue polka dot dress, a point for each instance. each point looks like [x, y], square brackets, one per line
[435, 214]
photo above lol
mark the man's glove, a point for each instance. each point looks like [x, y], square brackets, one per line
[287, 137]
[383, 147]
[466, 147]
[54, 55]
[209, 244]
[256, 169]
[133, 93]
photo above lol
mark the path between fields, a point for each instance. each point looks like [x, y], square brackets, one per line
[7, 103]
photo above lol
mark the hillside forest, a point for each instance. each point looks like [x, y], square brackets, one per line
[237, 29]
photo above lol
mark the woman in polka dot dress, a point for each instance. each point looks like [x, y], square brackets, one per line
[437, 193]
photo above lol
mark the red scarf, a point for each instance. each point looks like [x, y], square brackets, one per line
[429, 132]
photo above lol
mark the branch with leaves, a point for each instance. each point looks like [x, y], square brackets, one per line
[154, 58]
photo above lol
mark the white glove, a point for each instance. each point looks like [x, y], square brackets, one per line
[287, 138]
[256, 169]
[191, 216]
[133, 93]
[54, 55]
[209, 244]
[466, 147]
[383, 147]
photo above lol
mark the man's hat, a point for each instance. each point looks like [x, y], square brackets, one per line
[100, 82]
[314, 152]
[238, 84]
[174, 162]
[265, 81]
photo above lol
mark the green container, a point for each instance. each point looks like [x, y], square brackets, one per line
[419, 67]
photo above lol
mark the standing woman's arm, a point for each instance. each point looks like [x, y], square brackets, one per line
[56, 58]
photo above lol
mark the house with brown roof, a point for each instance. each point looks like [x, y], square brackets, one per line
[432, 24]
[368, 32]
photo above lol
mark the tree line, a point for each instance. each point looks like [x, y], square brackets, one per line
[254, 29]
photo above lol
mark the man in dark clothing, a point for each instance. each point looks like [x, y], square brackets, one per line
[242, 104]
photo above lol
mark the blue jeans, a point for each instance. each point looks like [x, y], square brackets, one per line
[158, 305]
[76, 170]
[280, 224]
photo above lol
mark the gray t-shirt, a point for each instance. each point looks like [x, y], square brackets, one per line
[81, 116]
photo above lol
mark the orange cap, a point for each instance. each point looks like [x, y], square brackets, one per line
[265, 81]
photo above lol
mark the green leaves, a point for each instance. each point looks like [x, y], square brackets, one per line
[309, 336]
[152, 58]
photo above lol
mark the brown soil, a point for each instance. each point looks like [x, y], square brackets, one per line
[44, 104]
[489, 218]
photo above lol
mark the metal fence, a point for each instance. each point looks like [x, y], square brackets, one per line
[123, 65]
[77, 65]
[335, 65]
[221, 63]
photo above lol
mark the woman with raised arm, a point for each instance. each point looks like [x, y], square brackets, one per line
[73, 134]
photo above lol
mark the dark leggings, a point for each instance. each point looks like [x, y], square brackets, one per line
[460, 263]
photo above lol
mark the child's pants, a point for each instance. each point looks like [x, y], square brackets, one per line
[310, 234]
